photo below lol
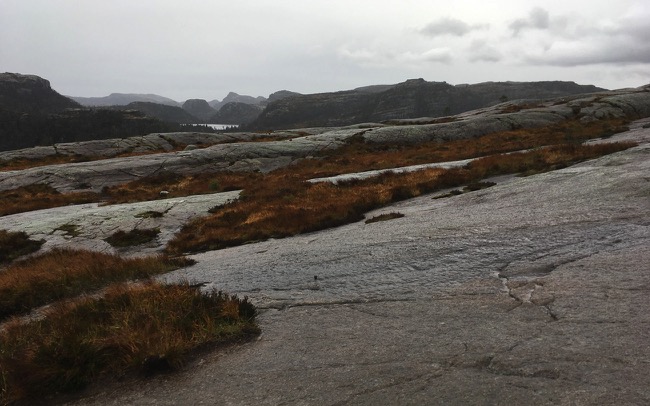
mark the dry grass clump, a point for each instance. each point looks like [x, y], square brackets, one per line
[60, 274]
[137, 236]
[137, 328]
[40, 196]
[14, 244]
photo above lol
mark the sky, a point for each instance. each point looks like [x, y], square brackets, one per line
[207, 48]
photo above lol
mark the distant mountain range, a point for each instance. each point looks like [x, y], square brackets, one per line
[411, 99]
[31, 113]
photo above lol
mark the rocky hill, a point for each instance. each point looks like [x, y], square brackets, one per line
[30, 94]
[169, 114]
[234, 97]
[410, 99]
[236, 113]
[199, 108]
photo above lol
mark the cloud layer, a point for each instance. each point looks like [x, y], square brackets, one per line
[206, 49]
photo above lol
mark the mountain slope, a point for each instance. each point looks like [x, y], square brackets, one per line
[123, 99]
[410, 99]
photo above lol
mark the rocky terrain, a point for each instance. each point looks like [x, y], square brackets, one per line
[532, 291]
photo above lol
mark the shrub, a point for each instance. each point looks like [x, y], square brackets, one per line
[122, 239]
[138, 328]
[14, 244]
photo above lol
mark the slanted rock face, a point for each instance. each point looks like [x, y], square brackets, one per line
[199, 108]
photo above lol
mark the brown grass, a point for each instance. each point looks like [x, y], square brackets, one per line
[355, 156]
[60, 274]
[282, 204]
[136, 328]
[38, 197]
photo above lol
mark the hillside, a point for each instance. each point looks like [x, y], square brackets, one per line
[162, 112]
[410, 99]
[31, 94]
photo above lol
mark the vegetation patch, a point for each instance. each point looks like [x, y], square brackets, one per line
[14, 244]
[137, 236]
[472, 187]
[282, 203]
[39, 196]
[150, 214]
[384, 217]
[60, 274]
[132, 328]
[69, 230]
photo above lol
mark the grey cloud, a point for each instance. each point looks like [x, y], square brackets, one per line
[481, 51]
[612, 54]
[538, 18]
[448, 26]
[624, 43]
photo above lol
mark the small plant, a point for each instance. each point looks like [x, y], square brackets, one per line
[384, 217]
[14, 244]
[151, 214]
[69, 230]
[472, 187]
[122, 239]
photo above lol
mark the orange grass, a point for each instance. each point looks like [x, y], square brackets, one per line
[282, 205]
[60, 274]
[133, 328]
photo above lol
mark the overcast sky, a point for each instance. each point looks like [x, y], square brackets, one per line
[206, 48]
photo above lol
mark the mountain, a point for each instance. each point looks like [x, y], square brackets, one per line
[199, 108]
[236, 113]
[282, 94]
[234, 97]
[31, 94]
[170, 114]
[122, 99]
[32, 113]
[411, 99]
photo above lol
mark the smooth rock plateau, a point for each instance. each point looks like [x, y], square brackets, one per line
[534, 291]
